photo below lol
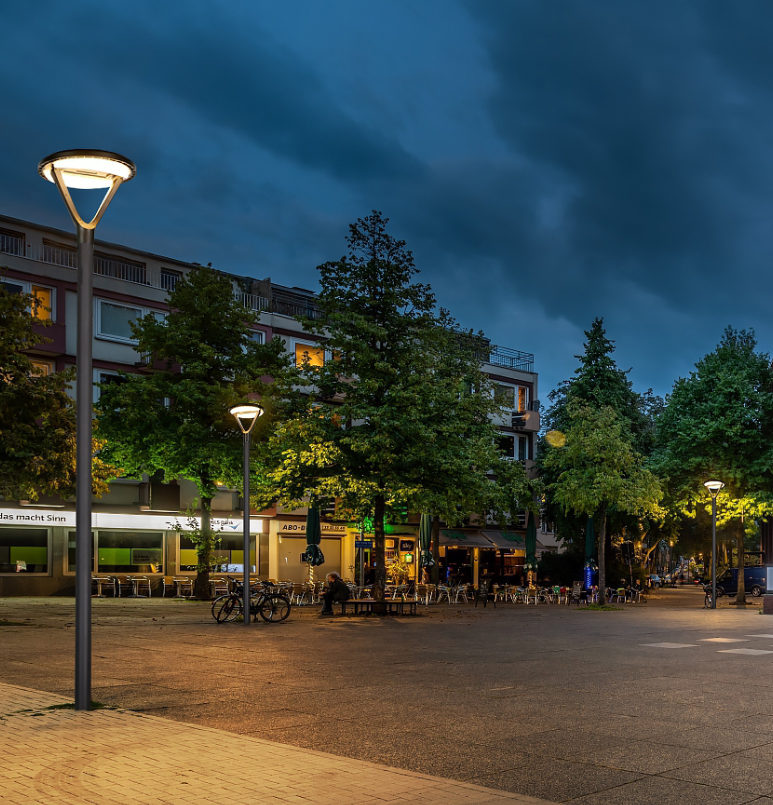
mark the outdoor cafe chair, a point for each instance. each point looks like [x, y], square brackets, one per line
[138, 585]
[219, 585]
[183, 587]
[98, 582]
[461, 593]
[532, 595]
[443, 592]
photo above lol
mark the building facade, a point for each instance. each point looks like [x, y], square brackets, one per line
[136, 525]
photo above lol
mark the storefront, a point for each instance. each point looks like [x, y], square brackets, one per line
[37, 548]
[288, 544]
[468, 555]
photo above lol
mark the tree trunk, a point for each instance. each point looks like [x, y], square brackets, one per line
[379, 581]
[201, 587]
[741, 597]
[602, 524]
[436, 549]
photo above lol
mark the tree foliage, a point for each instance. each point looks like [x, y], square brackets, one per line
[37, 416]
[400, 409]
[718, 424]
[599, 470]
[175, 417]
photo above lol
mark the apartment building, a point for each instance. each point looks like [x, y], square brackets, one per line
[133, 524]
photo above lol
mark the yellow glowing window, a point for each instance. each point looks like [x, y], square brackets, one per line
[43, 367]
[521, 398]
[42, 305]
[311, 356]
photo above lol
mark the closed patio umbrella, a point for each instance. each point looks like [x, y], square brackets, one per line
[425, 539]
[531, 544]
[590, 550]
[313, 554]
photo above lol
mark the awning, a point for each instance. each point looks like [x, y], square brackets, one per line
[464, 539]
[509, 540]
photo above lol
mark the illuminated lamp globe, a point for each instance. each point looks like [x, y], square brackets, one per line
[713, 487]
[246, 415]
[87, 168]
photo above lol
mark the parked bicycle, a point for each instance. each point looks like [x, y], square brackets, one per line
[272, 606]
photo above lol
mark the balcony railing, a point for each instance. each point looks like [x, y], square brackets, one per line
[11, 244]
[509, 358]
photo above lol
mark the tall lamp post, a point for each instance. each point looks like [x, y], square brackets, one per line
[84, 169]
[713, 487]
[246, 416]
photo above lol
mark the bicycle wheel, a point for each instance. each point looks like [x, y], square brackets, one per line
[226, 608]
[274, 608]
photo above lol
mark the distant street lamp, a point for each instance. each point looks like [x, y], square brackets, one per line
[713, 487]
[84, 169]
[246, 416]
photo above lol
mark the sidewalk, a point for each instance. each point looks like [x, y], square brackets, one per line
[117, 757]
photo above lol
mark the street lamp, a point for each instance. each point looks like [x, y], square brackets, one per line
[246, 416]
[713, 487]
[84, 169]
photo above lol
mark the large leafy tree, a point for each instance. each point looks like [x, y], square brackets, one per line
[174, 418]
[597, 382]
[400, 411]
[718, 424]
[37, 416]
[598, 470]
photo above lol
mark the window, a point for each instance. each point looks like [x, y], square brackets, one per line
[118, 267]
[44, 367]
[169, 279]
[306, 354]
[114, 320]
[43, 297]
[102, 376]
[59, 254]
[23, 550]
[229, 553]
[12, 242]
[129, 552]
[258, 336]
[514, 398]
[513, 447]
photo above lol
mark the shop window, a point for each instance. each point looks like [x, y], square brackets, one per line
[307, 355]
[129, 552]
[228, 554]
[71, 552]
[23, 550]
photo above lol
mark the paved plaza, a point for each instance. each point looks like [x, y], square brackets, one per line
[661, 702]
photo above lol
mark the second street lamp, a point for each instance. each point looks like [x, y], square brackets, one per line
[714, 487]
[246, 416]
[84, 169]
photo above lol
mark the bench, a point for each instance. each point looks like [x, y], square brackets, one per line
[365, 605]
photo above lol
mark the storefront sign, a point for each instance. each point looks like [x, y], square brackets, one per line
[299, 529]
[363, 543]
[156, 522]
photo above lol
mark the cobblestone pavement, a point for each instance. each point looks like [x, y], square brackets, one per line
[647, 703]
[51, 754]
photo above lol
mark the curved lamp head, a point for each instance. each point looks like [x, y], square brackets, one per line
[246, 415]
[713, 487]
[87, 169]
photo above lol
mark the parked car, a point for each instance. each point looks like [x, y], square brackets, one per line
[653, 580]
[754, 579]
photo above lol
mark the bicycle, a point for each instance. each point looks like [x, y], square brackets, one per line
[272, 606]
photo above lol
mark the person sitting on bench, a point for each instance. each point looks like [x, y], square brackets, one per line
[336, 591]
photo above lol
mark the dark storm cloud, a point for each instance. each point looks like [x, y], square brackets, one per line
[547, 161]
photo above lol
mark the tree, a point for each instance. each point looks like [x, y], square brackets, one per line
[400, 409]
[175, 418]
[37, 416]
[598, 382]
[598, 470]
[718, 423]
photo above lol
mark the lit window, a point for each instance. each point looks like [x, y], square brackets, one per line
[43, 367]
[307, 355]
[43, 297]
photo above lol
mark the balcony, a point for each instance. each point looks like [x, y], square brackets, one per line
[527, 420]
[508, 358]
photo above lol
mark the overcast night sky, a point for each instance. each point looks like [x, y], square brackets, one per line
[547, 162]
